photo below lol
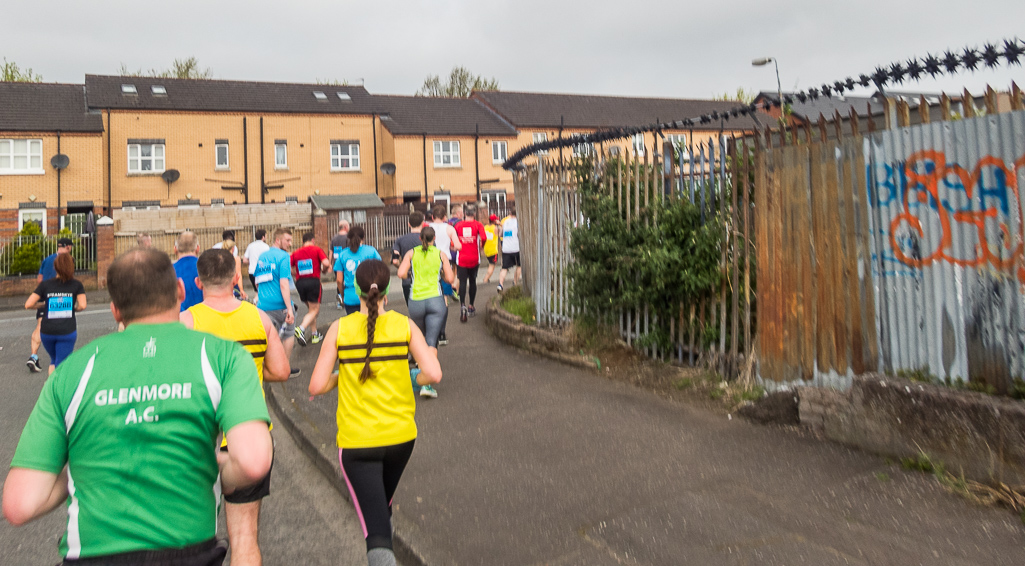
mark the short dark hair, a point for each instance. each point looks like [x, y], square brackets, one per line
[260, 233]
[416, 218]
[228, 235]
[438, 211]
[216, 268]
[307, 236]
[142, 282]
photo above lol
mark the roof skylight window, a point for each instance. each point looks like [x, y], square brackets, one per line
[128, 89]
[158, 90]
[344, 96]
[319, 95]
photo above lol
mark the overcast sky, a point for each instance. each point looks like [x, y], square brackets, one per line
[659, 48]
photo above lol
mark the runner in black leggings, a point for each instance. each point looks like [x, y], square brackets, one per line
[471, 238]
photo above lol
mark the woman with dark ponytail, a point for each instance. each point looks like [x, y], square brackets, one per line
[426, 303]
[351, 258]
[376, 428]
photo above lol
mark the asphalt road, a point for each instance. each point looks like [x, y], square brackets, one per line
[304, 521]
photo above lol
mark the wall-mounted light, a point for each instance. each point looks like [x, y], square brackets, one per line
[188, 196]
[32, 198]
[316, 191]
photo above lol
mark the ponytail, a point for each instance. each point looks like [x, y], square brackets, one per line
[426, 238]
[372, 297]
[356, 236]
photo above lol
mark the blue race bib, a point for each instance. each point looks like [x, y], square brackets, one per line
[305, 266]
[59, 307]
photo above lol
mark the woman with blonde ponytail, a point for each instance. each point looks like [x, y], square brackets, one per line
[376, 406]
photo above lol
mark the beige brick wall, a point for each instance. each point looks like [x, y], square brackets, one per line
[81, 180]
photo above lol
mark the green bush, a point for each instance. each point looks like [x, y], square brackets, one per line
[515, 302]
[23, 254]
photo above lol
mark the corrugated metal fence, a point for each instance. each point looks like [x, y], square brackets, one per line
[896, 250]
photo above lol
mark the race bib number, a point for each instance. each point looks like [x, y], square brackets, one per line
[264, 272]
[507, 234]
[467, 232]
[305, 266]
[59, 307]
[338, 251]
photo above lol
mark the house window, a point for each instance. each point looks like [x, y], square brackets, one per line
[281, 154]
[35, 216]
[638, 143]
[583, 149]
[499, 151]
[446, 154]
[344, 156]
[221, 154]
[679, 142]
[145, 157]
[539, 137]
[21, 157]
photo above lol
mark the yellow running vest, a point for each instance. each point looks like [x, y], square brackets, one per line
[380, 411]
[242, 325]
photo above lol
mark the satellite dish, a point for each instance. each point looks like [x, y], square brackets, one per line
[170, 176]
[388, 168]
[59, 161]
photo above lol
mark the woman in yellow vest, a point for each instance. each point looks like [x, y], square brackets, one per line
[492, 231]
[376, 430]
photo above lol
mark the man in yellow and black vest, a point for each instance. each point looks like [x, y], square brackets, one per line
[224, 316]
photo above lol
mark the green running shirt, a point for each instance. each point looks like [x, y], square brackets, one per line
[135, 415]
[426, 273]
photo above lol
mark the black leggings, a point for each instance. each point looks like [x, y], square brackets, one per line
[372, 475]
[464, 274]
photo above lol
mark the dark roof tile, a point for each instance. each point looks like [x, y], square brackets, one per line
[411, 115]
[225, 96]
[43, 107]
[542, 110]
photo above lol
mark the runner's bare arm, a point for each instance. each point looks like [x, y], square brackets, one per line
[275, 363]
[324, 379]
[407, 261]
[186, 318]
[446, 268]
[30, 494]
[286, 294]
[80, 303]
[32, 301]
[425, 356]
[249, 455]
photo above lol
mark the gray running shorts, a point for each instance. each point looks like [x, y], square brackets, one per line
[277, 317]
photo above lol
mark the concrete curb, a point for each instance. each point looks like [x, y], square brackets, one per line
[510, 329]
[408, 540]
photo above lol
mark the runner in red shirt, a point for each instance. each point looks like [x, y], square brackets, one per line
[472, 237]
[308, 262]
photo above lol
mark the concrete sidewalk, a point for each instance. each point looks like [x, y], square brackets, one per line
[523, 461]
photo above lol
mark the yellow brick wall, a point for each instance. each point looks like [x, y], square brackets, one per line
[189, 148]
[459, 181]
[82, 180]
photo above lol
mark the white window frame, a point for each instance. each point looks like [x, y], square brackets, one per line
[337, 157]
[23, 212]
[583, 149]
[538, 137]
[217, 156]
[637, 143]
[679, 142]
[153, 157]
[499, 152]
[451, 152]
[284, 153]
[7, 150]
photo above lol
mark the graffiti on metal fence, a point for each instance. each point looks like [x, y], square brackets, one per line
[947, 212]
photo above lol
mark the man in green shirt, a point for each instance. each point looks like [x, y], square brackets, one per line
[125, 431]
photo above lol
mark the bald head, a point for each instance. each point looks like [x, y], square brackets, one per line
[187, 244]
[142, 282]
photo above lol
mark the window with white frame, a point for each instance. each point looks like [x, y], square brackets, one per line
[280, 154]
[583, 149]
[344, 156]
[499, 151]
[679, 142]
[446, 154]
[221, 154]
[145, 157]
[21, 157]
[539, 137]
[35, 216]
[638, 143]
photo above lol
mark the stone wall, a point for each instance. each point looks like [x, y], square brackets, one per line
[542, 341]
[981, 435]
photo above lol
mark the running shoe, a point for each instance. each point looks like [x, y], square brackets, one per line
[33, 364]
[443, 340]
[500, 287]
[463, 313]
[472, 310]
[338, 305]
[300, 336]
[413, 372]
[428, 391]
[294, 372]
[316, 339]
[455, 295]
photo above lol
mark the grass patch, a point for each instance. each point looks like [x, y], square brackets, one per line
[684, 383]
[882, 476]
[996, 494]
[516, 303]
[920, 375]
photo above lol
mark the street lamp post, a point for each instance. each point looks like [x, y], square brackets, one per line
[779, 86]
